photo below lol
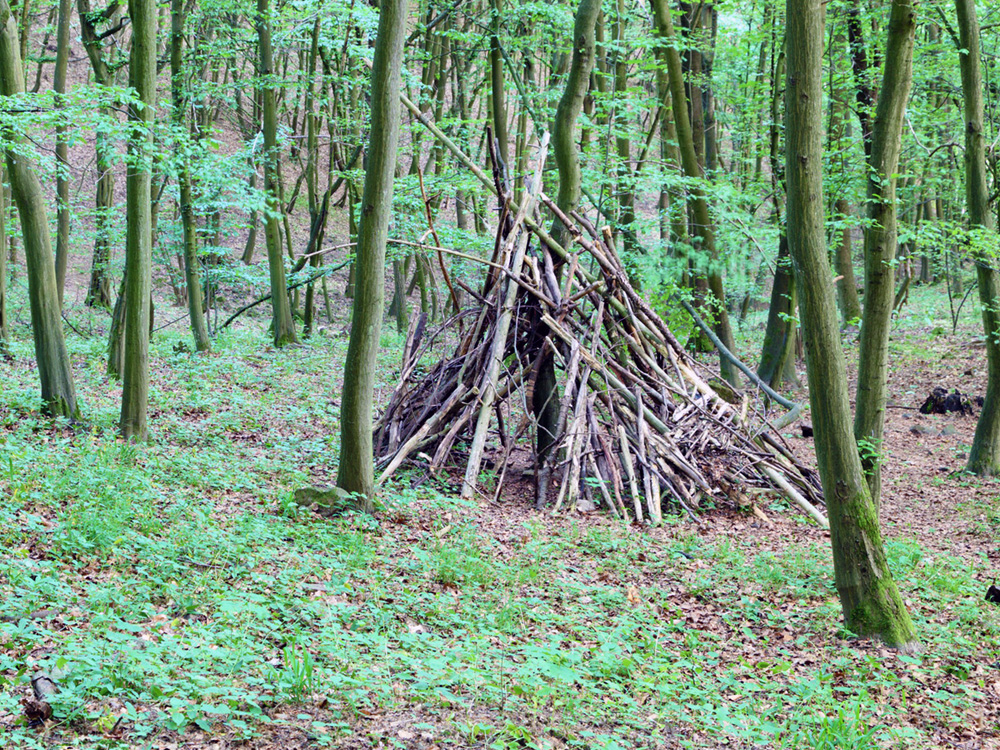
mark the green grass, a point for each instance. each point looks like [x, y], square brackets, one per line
[180, 590]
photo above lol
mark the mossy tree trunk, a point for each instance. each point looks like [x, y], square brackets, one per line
[54, 368]
[283, 328]
[192, 266]
[138, 235]
[871, 603]
[881, 239]
[984, 457]
[356, 472]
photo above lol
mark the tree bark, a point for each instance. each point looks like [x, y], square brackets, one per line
[356, 472]
[984, 456]
[868, 594]
[54, 368]
[138, 237]
[283, 328]
[880, 239]
[192, 266]
[496, 84]
[545, 397]
[692, 169]
[99, 290]
[62, 161]
[4, 322]
[847, 287]
[777, 355]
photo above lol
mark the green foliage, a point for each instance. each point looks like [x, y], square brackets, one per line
[187, 601]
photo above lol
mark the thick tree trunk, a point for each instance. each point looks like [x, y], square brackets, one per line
[868, 595]
[692, 169]
[984, 457]
[62, 162]
[880, 239]
[192, 266]
[356, 472]
[46, 321]
[138, 239]
[283, 328]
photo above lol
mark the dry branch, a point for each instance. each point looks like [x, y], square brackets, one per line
[638, 427]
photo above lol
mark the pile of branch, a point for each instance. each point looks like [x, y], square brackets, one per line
[638, 427]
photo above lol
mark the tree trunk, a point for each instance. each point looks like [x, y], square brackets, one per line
[880, 239]
[545, 397]
[868, 594]
[777, 355]
[847, 287]
[623, 147]
[4, 322]
[984, 457]
[692, 169]
[283, 329]
[356, 472]
[99, 290]
[62, 162]
[192, 266]
[54, 368]
[138, 240]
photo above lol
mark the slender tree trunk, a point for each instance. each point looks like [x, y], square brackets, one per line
[282, 325]
[138, 240]
[192, 266]
[777, 357]
[356, 472]
[4, 322]
[847, 287]
[871, 603]
[623, 147]
[54, 368]
[692, 168]
[99, 290]
[24, 31]
[545, 396]
[778, 352]
[984, 457]
[880, 239]
[62, 161]
[43, 58]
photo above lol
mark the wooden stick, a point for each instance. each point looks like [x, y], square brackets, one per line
[488, 388]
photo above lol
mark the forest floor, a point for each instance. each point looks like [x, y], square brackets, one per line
[179, 597]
